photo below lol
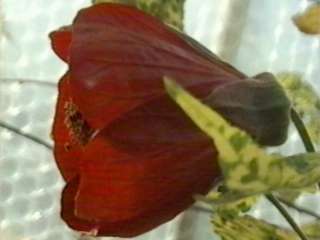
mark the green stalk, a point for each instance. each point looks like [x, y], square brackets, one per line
[286, 215]
[302, 130]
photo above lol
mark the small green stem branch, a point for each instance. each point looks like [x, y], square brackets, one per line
[28, 81]
[286, 215]
[299, 209]
[302, 130]
[25, 135]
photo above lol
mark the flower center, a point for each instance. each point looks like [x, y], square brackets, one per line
[79, 130]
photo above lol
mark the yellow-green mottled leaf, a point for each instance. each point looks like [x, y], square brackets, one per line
[169, 11]
[290, 195]
[128, 2]
[246, 167]
[249, 228]
[234, 209]
[312, 230]
[305, 100]
[309, 21]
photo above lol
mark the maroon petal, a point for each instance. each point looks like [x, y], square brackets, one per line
[61, 41]
[67, 208]
[258, 105]
[119, 56]
[125, 194]
[158, 123]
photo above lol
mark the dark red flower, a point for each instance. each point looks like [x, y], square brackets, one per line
[131, 159]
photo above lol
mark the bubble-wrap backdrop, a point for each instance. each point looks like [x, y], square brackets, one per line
[253, 35]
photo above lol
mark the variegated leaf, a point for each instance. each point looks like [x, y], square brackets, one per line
[312, 230]
[169, 11]
[249, 228]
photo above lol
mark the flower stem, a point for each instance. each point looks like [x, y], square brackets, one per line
[286, 215]
[25, 135]
[302, 130]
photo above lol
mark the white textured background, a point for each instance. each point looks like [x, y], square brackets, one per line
[253, 35]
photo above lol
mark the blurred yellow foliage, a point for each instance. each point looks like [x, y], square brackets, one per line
[309, 21]
[305, 100]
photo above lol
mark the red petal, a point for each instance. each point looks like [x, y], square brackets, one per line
[119, 56]
[157, 123]
[67, 208]
[143, 178]
[67, 159]
[61, 41]
[127, 195]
